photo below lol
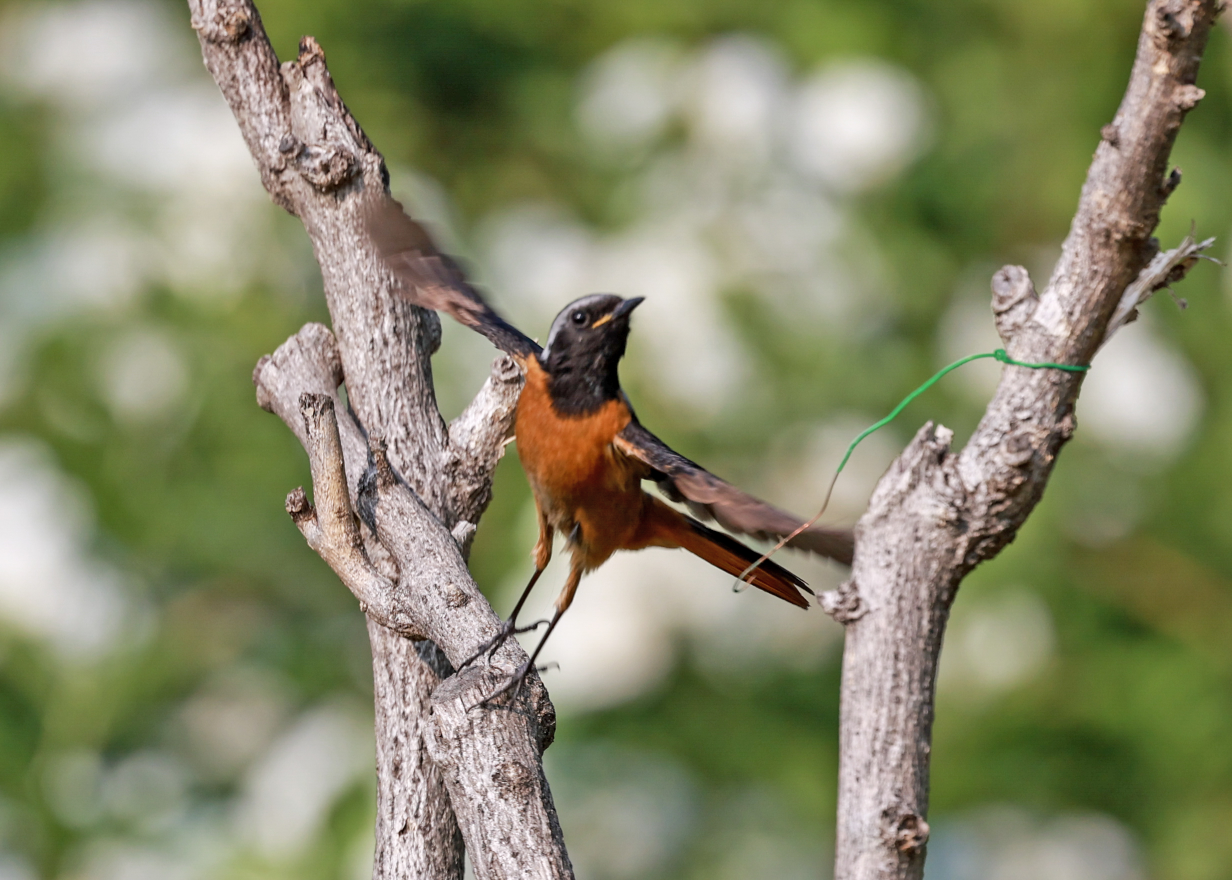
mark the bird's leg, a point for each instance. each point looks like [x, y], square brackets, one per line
[508, 627]
[563, 601]
[543, 555]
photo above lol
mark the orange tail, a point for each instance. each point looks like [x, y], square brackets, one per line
[671, 528]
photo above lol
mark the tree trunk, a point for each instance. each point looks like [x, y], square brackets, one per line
[937, 514]
[447, 771]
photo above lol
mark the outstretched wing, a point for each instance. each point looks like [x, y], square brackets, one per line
[433, 280]
[711, 498]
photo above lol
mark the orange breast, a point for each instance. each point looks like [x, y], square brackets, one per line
[576, 476]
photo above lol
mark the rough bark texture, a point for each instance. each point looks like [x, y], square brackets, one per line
[418, 485]
[417, 826]
[935, 514]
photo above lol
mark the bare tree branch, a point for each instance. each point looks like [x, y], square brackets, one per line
[1165, 269]
[419, 485]
[331, 527]
[477, 440]
[935, 515]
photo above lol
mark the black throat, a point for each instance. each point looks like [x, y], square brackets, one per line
[582, 378]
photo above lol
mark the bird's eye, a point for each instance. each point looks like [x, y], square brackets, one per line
[578, 317]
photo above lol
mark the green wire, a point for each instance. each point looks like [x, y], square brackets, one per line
[1000, 355]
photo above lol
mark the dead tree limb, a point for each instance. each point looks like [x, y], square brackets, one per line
[394, 511]
[937, 514]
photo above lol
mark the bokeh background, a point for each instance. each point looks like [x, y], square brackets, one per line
[812, 195]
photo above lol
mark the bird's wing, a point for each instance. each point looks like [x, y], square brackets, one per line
[433, 280]
[711, 498]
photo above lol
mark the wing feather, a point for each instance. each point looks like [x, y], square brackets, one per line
[433, 280]
[709, 497]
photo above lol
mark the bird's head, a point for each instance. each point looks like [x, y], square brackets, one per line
[584, 349]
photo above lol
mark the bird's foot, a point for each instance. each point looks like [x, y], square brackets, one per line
[491, 646]
[514, 682]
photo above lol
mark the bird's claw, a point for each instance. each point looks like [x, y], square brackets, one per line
[492, 645]
[514, 682]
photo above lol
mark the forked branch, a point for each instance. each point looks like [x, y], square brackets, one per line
[936, 514]
[424, 485]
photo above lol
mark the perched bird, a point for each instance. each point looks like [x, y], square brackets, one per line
[583, 450]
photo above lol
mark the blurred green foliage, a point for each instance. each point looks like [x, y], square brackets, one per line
[1126, 713]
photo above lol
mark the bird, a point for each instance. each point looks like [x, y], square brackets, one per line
[584, 452]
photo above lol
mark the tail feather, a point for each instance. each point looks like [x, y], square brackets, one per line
[728, 554]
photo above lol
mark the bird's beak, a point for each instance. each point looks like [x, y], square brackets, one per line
[627, 306]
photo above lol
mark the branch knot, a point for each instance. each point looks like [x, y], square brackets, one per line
[1172, 21]
[228, 25]
[326, 167]
[298, 506]
[843, 604]
[911, 834]
[1014, 300]
[1188, 96]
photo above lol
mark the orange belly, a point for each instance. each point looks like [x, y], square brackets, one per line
[578, 479]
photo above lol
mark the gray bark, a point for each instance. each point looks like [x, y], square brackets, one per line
[446, 773]
[936, 514]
